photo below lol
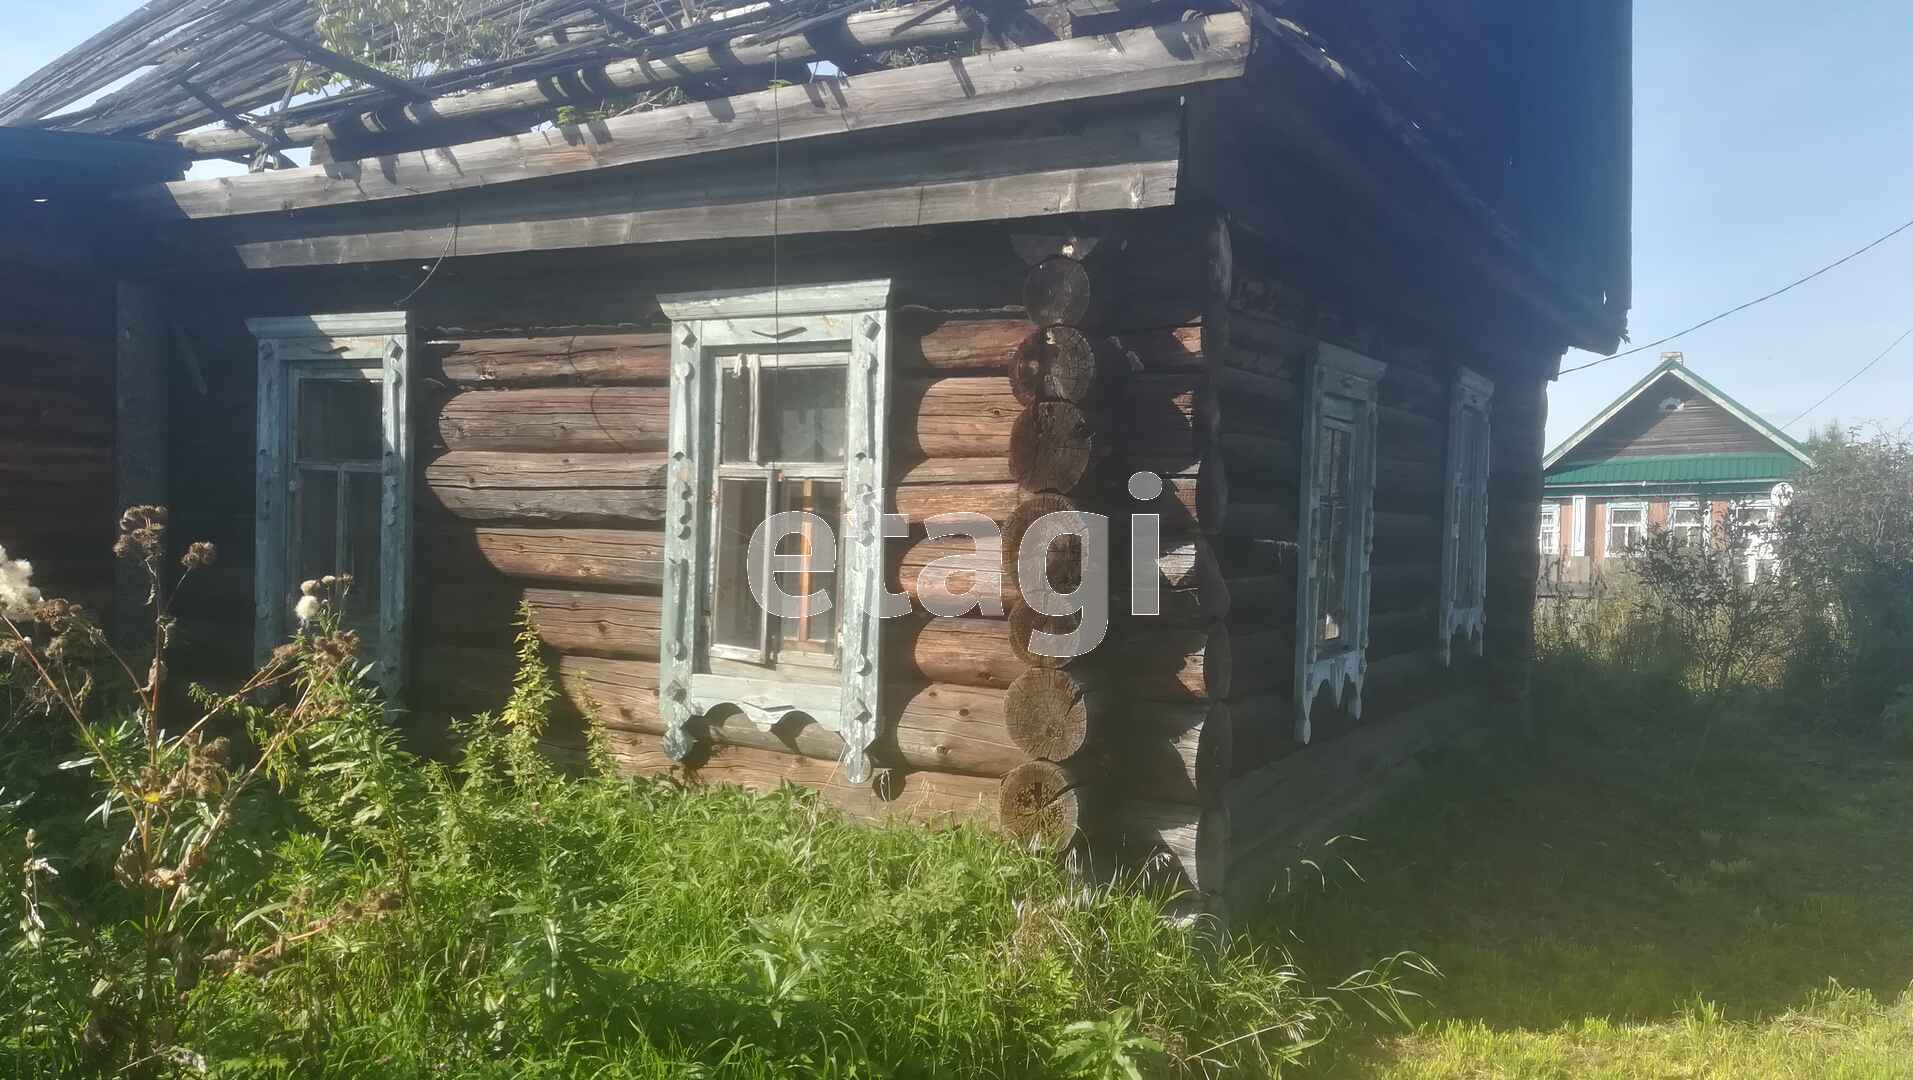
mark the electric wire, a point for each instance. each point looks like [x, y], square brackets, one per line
[1864, 368]
[1790, 286]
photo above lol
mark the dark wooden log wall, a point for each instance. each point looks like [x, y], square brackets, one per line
[1035, 371]
[56, 409]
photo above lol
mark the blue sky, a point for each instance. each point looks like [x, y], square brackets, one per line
[1770, 138]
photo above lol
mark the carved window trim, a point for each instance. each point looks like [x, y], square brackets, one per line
[851, 317]
[1335, 381]
[375, 341]
[1579, 549]
[1464, 558]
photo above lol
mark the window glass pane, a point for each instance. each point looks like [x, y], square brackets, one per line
[734, 394]
[735, 617]
[1331, 533]
[812, 631]
[339, 420]
[315, 525]
[803, 413]
[363, 493]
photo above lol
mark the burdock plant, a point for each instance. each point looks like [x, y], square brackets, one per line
[174, 790]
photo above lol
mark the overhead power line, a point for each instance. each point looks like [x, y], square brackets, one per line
[1904, 334]
[1842, 260]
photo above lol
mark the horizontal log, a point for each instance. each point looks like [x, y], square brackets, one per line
[586, 359]
[1166, 416]
[963, 652]
[518, 486]
[1160, 662]
[934, 727]
[1265, 659]
[1194, 840]
[996, 501]
[929, 340]
[913, 795]
[607, 558]
[611, 419]
[571, 621]
[959, 567]
[1261, 459]
[956, 416]
[1176, 348]
[1176, 753]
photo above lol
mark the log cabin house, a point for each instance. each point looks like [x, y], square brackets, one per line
[1672, 452]
[1274, 288]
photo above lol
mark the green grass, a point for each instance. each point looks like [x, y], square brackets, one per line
[1621, 897]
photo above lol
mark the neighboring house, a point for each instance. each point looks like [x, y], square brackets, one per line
[1673, 452]
[1301, 260]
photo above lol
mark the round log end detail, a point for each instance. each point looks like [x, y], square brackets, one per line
[1064, 560]
[1042, 805]
[1049, 714]
[1060, 291]
[1059, 363]
[1053, 447]
[1026, 620]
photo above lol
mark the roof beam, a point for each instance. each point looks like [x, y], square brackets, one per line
[344, 65]
[1125, 158]
[1152, 58]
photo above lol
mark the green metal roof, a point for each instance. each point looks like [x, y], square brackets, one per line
[1709, 469]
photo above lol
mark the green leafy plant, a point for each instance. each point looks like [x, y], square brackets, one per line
[1107, 1049]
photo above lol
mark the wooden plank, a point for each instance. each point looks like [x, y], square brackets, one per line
[1159, 57]
[641, 359]
[606, 558]
[843, 192]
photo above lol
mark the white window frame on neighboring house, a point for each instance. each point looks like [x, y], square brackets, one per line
[1549, 536]
[1579, 548]
[850, 318]
[374, 347]
[1760, 549]
[1699, 528]
[1339, 389]
[1608, 548]
[1464, 535]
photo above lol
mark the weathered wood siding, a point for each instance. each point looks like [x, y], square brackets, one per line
[56, 412]
[1645, 429]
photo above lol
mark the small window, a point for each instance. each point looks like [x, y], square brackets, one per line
[776, 462]
[1762, 560]
[1464, 551]
[1626, 527]
[1687, 522]
[1337, 499]
[334, 483]
[1550, 538]
[780, 427]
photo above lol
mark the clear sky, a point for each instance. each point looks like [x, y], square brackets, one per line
[1769, 139]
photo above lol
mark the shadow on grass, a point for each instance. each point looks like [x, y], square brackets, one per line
[1628, 871]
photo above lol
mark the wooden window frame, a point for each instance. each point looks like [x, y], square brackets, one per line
[288, 345]
[1465, 484]
[850, 317]
[1762, 546]
[1550, 526]
[1579, 526]
[1699, 506]
[1608, 550]
[1336, 380]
